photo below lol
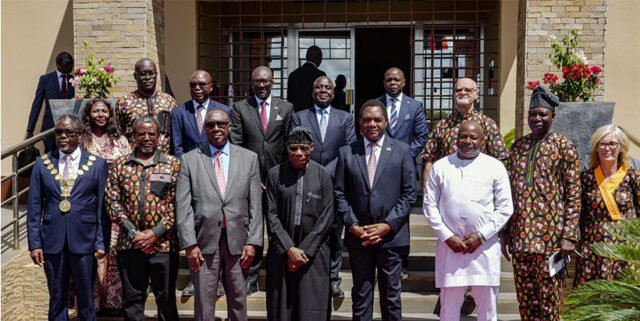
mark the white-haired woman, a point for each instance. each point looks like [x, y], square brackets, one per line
[610, 192]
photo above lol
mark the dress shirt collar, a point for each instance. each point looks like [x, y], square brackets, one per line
[204, 104]
[318, 109]
[224, 149]
[378, 143]
[74, 155]
[259, 101]
[399, 97]
[159, 157]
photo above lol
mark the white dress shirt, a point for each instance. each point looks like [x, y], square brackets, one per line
[268, 100]
[60, 80]
[75, 161]
[465, 196]
[204, 104]
[398, 105]
[367, 150]
[319, 113]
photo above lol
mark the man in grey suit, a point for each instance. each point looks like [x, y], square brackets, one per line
[260, 124]
[219, 214]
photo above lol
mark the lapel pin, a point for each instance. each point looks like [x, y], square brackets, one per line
[388, 149]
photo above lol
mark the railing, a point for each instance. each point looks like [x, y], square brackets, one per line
[15, 198]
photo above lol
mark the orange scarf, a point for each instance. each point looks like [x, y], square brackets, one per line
[608, 188]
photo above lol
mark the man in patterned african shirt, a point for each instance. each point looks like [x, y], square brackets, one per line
[441, 141]
[140, 197]
[545, 181]
[146, 101]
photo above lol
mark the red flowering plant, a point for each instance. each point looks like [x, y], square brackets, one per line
[96, 78]
[579, 80]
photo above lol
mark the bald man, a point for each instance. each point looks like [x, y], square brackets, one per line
[146, 101]
[187, 120]
[300, 83]
[467, 201]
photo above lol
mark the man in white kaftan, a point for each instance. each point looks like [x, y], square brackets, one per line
[467, 201]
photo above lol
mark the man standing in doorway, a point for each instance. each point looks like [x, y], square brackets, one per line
[300, 83]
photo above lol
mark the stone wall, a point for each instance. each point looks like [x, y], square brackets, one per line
[120, 32]
[538, 22]
[24, 290]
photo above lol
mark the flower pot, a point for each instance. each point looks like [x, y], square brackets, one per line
[578, 121]
[60, 107]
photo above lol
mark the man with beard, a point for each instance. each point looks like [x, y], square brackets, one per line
[260, 124]
[300, 197]
[146, 101]
[141, 198]
[545, 179]
[375, 187]
[332, 129]
[64, 219]
[187, 120]
[467, 201]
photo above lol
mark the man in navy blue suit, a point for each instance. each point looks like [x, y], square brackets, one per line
[407, 122]
[331, 129]
[375, 187]
[64, 219]
[54, 85]
[187, 120]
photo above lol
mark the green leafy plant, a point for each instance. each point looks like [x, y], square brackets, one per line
[509, 138]
[96, 78]
[611, 300]
[579, 79]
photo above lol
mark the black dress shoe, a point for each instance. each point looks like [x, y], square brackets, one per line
[251, 289]
[336, 292]
[220, 292]
[188, 290]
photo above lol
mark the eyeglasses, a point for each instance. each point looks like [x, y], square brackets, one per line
[457, 90]
[264, 82]
[295, 148]
[201, 84]
[611, 145]
[67, 132]
[146, 73]
[214, 124]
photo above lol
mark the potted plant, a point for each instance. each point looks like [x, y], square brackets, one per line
[95, 79]
[578, 116]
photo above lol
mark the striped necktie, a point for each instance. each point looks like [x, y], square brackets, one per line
[393, 118]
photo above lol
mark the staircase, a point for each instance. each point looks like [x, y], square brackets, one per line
[419, 294]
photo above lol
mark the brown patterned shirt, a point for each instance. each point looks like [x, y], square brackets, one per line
[144, 195]
[442, 138]
[133, 106]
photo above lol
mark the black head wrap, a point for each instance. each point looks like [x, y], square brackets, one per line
[542, 97]
[300, 135]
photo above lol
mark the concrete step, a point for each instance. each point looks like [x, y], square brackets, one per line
[424, 282]
[412, 302]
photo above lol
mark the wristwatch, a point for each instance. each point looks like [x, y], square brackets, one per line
[131, 228]
[132, 233]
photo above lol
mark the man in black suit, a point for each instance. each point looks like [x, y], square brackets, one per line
[54, 85]
[301, 80]
[261, 123]
[331, 129]
[375, 187]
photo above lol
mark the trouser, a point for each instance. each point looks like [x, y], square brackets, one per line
[136, 268]
[57, 268]
[452, 298]
[538, 293]
[364, 263]
[335, 248]
[256, 264]
[205, 284]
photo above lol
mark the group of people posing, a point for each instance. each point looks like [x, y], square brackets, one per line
[133, 184]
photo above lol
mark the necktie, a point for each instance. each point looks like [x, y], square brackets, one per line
[63, 88]
[393, 118]
[199, 119]
[323, 122]
[221, 181]
[373, 162]
[66, 172]
[263, 115]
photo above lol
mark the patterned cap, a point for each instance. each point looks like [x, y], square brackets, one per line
[542, 97]
[300, 135]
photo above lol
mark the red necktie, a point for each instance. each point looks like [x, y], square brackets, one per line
[63, 88]
[263, 115]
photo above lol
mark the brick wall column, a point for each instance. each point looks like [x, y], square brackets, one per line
[540, 20]
[120, 31]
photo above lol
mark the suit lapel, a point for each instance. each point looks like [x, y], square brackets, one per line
[385, 153]
[313, 120]
[233, 167]
[55, 83]
[207, 162]
[55, 160]
[191, 116]
[404, 111]
[361, 156]
[84, 157]
[255, 114]
[272, 115]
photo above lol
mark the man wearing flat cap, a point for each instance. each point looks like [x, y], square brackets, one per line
[300, 214]
[545, 181]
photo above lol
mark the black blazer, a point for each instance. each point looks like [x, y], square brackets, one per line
[300, 85]
[340, 132]
[247, 132]
[48, 88]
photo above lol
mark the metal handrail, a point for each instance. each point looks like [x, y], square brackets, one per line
[15, 198]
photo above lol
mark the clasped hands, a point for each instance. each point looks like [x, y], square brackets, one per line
[467, 245]
[296, 258]
[371, 234]
[144, 240]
